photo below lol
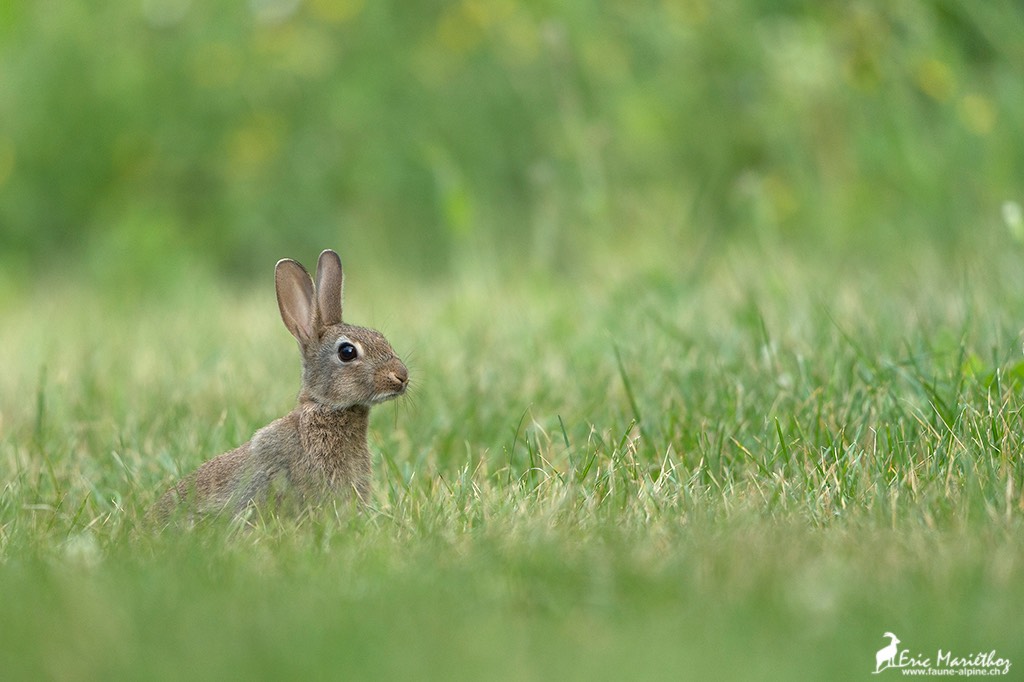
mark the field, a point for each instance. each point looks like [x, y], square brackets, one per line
[726, 403]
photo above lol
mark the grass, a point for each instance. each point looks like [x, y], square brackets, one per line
[218, 135]
[713, 327]
[750, 473]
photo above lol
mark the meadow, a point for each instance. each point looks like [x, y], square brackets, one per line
[753, 475]
[713, 318]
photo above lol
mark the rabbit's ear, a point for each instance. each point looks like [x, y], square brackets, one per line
[295, 298]
[330, 282]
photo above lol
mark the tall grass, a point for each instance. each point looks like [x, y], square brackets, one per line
[759, 470]
[711, 311]
[154, 134]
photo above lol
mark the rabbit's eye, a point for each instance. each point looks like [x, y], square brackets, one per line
[347, 352]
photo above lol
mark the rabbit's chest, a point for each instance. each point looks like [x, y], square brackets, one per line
[334, 451]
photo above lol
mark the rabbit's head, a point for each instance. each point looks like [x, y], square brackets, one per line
[342, 365]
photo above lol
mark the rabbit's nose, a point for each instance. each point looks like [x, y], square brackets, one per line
[399, 375]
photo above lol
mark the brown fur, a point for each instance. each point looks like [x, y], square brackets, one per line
[319, 450]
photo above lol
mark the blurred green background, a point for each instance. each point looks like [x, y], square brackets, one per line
[146, 140]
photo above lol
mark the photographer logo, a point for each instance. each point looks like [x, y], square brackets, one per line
[943, 663]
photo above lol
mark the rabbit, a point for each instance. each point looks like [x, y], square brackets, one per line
[319, 450]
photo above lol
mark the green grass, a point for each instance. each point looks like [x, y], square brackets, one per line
[711, 310]
[217, 135]
[752, 473]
